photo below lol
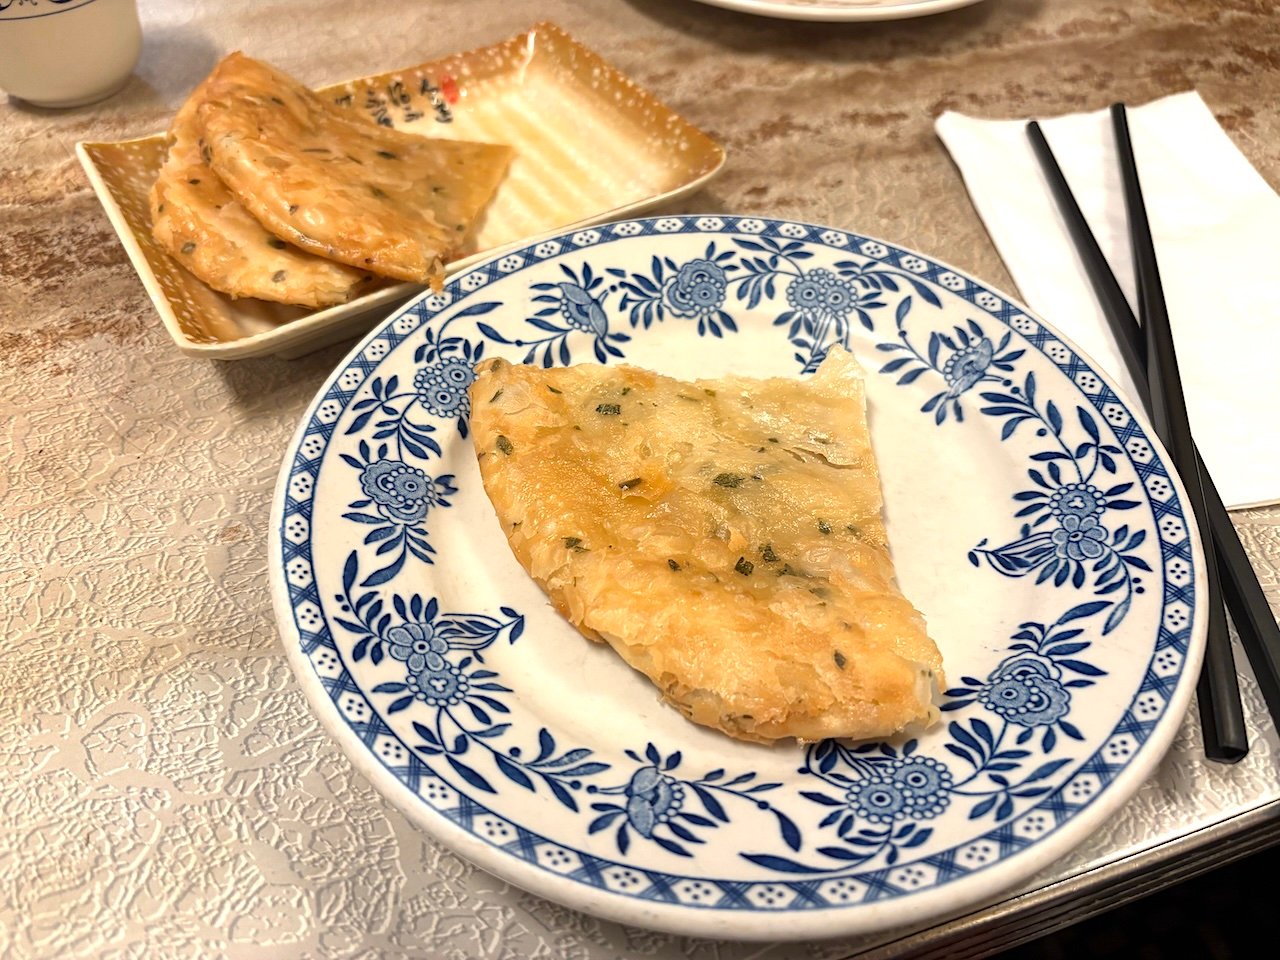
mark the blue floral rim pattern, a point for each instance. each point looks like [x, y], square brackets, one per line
[1028, 691]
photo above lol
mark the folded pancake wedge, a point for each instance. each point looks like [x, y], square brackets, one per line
[348, 189]
[723, 536]
[198, 220]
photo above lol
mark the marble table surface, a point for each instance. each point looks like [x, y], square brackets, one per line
[165, 791]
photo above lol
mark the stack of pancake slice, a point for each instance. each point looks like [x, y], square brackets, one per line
[269, 190]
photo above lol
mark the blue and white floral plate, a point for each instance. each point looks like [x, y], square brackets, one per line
[1032, 516]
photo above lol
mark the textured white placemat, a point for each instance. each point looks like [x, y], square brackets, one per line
[1214, 221]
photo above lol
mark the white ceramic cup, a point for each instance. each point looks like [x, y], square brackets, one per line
[66, 53]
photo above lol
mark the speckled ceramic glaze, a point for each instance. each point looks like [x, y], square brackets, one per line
[589, 145]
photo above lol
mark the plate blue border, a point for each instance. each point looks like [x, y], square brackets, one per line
[655, 886]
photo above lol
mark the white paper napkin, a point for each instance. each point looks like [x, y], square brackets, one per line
[1216, 225]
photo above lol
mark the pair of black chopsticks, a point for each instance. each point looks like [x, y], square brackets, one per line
[1149, 355]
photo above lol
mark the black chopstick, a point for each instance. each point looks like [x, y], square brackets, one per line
[1245, 599]
[1169, 414]
[1222, 715]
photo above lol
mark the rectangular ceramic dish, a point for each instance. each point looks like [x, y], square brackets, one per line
[590, 146]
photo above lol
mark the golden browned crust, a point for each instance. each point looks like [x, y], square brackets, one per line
[378, 199]
[198, 220]
[724, 537]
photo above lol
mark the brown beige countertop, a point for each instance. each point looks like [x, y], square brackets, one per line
[166, 791]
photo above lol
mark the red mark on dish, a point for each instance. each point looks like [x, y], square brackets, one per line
[449, 87]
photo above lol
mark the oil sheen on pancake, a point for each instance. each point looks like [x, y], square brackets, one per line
[723, 536]
[316, 176]
[201, 223]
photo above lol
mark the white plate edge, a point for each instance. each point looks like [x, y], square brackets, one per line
[752, 925]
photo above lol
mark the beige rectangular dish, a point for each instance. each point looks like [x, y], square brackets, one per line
[590, 146]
